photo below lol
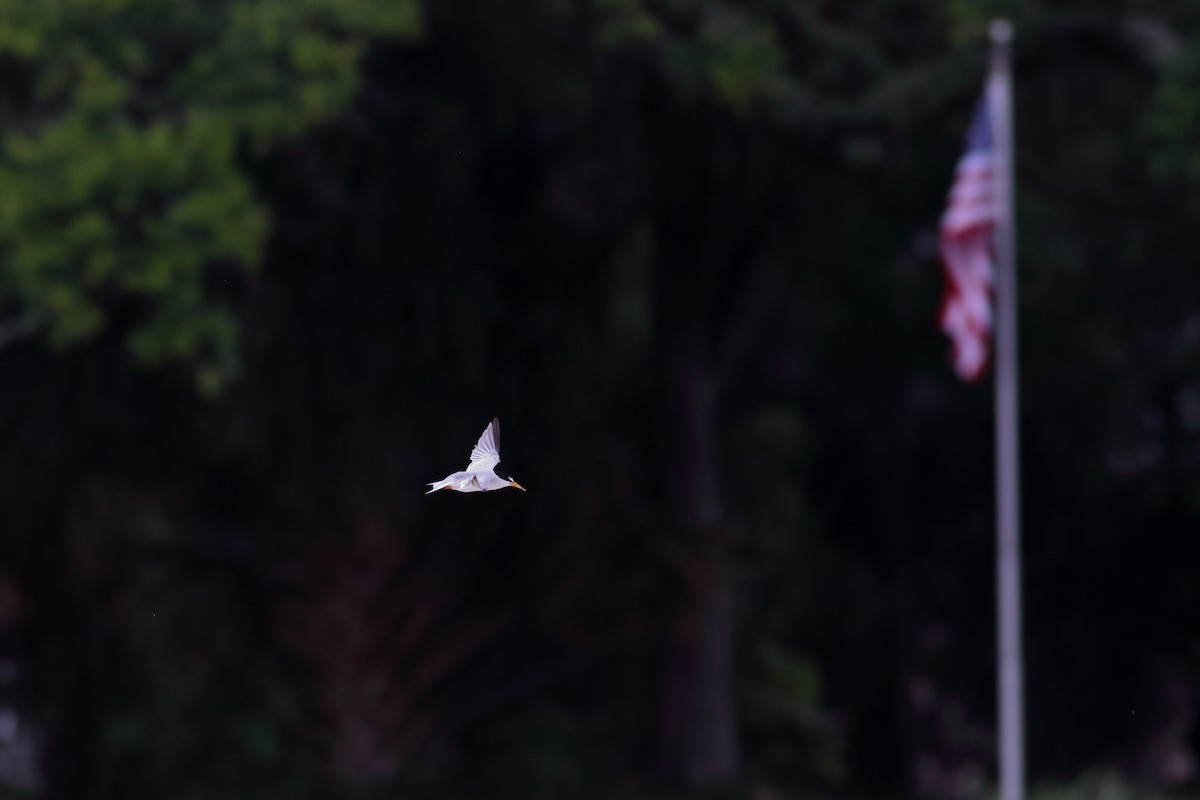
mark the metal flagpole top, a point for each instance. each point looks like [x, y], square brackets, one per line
[1000, 31]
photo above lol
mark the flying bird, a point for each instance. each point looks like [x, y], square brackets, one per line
[481, 474]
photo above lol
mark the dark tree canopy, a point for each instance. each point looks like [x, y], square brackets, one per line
[268, 266]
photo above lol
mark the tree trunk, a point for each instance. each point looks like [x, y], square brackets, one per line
[715, 756]
[700, 728]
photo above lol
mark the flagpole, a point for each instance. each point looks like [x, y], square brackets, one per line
[1008, 536]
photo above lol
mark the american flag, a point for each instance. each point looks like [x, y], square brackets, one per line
[966, 244]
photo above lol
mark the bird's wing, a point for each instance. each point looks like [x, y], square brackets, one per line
[486, 454]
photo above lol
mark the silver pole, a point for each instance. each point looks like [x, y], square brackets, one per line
[1008, 533]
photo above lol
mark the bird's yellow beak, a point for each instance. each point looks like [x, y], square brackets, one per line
[519, 486]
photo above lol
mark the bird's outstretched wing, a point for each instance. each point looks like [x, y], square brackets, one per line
[486, 454]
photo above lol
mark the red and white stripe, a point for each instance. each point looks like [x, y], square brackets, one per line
[966, 245]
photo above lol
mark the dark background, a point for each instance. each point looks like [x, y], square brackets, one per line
[268, 266]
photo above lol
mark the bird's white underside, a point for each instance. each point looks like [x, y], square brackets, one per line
[470, 482]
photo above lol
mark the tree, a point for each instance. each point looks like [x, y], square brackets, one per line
[686, 251]
[126, 204]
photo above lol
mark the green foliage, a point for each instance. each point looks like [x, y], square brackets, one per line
[1173, 117]
[966, 21]
[1101, 785]
[786, 685]
[542, 748]
[729, 52]
[121, 178]
[630, 321]
[626, 20]
[783, 706]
